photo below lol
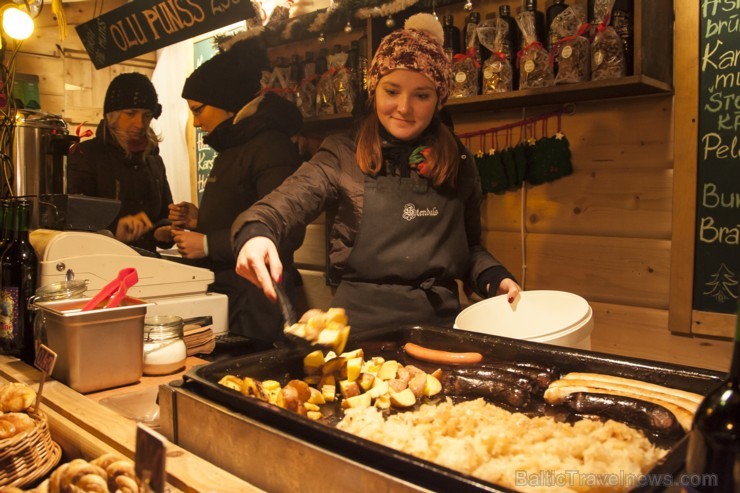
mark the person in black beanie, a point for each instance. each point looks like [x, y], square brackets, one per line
[122, 162]
[252, 133]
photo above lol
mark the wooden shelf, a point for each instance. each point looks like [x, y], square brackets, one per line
[631, 86]
[624, 87]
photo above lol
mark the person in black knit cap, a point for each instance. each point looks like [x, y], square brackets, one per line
[253, 135]
[122, 162]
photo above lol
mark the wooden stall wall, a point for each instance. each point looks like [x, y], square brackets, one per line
[69, 84]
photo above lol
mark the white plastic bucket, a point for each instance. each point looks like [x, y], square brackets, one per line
[551, 317]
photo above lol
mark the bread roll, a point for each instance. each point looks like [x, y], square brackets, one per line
[16, 397]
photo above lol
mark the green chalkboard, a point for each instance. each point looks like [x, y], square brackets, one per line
[717, 244]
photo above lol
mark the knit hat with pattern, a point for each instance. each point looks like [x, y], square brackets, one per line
[417, 47]
[131, 90]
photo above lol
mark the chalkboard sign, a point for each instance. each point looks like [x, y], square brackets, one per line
[717, 244]
[143, 26]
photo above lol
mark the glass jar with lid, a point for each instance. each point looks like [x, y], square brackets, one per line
[164, 346]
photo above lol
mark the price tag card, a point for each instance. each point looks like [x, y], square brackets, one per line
[150, 459]
[45, 359]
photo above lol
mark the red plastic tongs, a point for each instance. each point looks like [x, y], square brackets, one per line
[115, 290]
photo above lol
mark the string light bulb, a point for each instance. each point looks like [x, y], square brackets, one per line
[348, 27]
[16, 23]
[322, 38]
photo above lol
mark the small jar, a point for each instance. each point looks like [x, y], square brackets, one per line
[164, 346]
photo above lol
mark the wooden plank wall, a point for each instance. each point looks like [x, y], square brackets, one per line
[69, 84]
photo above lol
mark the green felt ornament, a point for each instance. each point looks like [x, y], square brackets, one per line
[492, 175]
[509, 165]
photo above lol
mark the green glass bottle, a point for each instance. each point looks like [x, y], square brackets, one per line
[713, 458]
[18, 275]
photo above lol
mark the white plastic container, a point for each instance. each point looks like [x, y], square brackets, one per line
[551, 317]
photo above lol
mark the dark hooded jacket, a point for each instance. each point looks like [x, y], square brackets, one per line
[255, 155]
[99, 168]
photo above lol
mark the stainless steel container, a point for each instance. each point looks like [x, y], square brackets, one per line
[96, 349]
[40, 145]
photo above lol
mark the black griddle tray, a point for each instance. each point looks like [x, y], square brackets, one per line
[286, 363]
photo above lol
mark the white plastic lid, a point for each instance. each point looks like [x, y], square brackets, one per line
[535, 316]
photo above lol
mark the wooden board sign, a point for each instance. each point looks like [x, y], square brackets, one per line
[146, 25]
[717, 258]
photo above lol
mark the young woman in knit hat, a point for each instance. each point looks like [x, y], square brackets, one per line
[251, 132]
[122, 162]
[406, 194]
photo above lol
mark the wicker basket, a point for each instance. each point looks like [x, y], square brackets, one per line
[28, 456]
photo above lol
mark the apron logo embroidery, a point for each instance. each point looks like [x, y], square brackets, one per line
[411, 212]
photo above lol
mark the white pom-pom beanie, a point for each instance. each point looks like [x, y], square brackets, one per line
[417, 47]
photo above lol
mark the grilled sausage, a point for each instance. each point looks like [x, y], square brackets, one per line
[495, 390]
[441, 357]
[648, 416]
[541, 377]
[488, 373]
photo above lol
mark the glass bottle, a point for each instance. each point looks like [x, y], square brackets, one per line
[295, 70]
[4, 219]
[622, 22]
[321, 62]
[165, 351]
[363, 64]
[539, 22]
[451, 36]
[511, 42]
[19, 266]
[553, 11]
[713, 457]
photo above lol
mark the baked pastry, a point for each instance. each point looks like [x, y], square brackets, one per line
[78, 476]
[16, 397]
[121, 473]
[12, 424]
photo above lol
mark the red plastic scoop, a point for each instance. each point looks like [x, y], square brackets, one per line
[115, 290]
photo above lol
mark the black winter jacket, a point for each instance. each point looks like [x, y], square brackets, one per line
[99, 168]
[255, 155]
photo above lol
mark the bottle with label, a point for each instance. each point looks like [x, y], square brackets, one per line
[18, 274]
[713, 457]
[451, 36]
[622, 22]
[539, 22]
[511, 42]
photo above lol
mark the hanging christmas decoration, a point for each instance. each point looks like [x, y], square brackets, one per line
[386, 9]
[322, 38]
[389, 22]
[348, 27]
[468, 6]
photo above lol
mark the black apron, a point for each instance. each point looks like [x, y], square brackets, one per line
[410, 248]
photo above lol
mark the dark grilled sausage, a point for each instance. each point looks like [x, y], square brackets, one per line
[489, 373]
[541, 378]
[495, 390]
[648, 416]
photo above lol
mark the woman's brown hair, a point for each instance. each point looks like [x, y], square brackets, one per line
[442, 171]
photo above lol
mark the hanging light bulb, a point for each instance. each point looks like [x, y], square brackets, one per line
[389, 22]
[348, 27]
[16, 23]
[322, 38]
[468, 5]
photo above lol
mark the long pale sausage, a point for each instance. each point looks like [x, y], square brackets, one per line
[443, 357]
